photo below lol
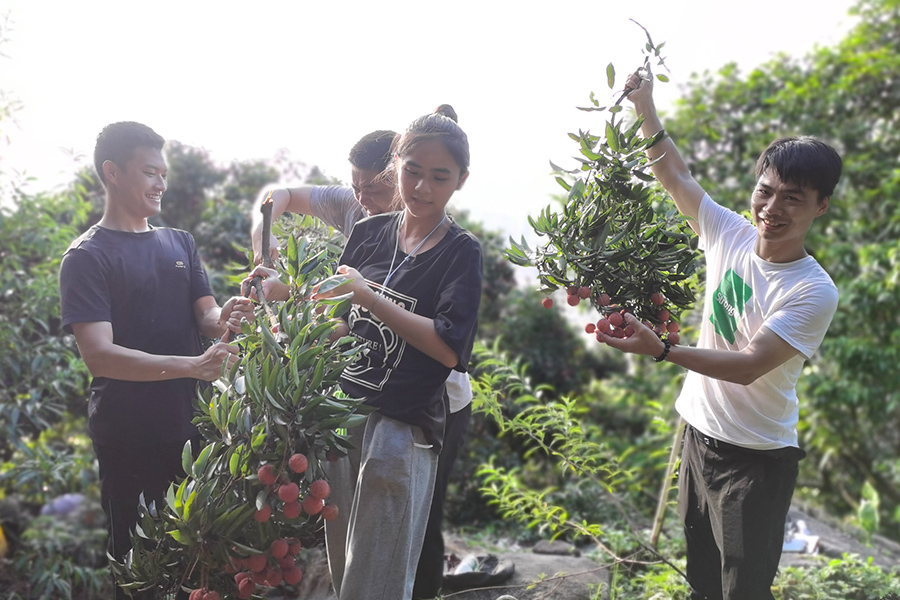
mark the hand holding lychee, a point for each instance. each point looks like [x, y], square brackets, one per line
[643, 341]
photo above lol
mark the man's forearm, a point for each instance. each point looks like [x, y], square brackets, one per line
[734, 367]
[127, 364]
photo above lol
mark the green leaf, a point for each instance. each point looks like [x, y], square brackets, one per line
[179, 537]
[187, 457]
[610, 75]
[331, 283]
[612, 137]
[199, 465]
[261, 498]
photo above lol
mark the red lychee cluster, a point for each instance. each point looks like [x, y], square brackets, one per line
[270, 569]
[204, 594]
[614, 325]
[289, 492]
[576, 294]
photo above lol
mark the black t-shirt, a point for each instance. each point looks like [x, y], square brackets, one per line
[145, 285]
[443, 284]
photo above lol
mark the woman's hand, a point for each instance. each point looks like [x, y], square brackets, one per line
[273, 288]
[347, 280]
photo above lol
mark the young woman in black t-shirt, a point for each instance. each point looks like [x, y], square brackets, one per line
[416, 279]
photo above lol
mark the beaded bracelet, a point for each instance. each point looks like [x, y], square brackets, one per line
[665, 352]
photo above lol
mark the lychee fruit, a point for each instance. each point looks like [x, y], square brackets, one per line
[278, 549]
[603, 325]
[312, 505]
[197, 594]
[266, 475]
[672, 327]
[289, 492]
[673, 338]
[572, 290]
[573, 299]
[273, 576]
[603, 300]
[319, 489]
[263, 514]
[238, 578]
[259, 577]
[246, 589]
[292, 510]
[210, 595]
[331, 455]
[628, 331]
[657, 299]
[663, 315]
[298, 463]
[256, 562]
[584, 292]
[293, 576]
[330, 512]
[286, 563]
[590, 328]
[547, 302]
[615, 319]
[295, 547]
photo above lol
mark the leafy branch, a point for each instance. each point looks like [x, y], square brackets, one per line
[615, 237]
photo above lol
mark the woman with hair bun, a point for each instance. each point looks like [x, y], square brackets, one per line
[416, 281]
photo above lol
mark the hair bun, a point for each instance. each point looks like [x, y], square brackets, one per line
[447, 111]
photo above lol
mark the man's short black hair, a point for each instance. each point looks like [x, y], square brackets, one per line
[118, 141]
[804, 161]
[373, 151]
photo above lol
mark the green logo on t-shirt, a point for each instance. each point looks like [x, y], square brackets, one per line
[728, 304]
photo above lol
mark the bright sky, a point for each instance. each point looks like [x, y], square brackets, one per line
[245, 79]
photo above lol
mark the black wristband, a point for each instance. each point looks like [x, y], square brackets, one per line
[665, 352]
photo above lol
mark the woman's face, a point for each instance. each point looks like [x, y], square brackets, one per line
[427, 177]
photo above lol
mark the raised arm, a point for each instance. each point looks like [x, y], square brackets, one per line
[671, 170]
[294, 200]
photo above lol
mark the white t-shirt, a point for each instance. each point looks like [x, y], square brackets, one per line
[337, 206]
[745, 293]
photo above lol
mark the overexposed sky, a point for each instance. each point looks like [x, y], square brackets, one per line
[245, 79]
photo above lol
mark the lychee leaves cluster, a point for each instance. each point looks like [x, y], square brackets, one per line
[257, 485]
[616, 234]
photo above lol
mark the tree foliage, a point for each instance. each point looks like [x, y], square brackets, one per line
[281, 401]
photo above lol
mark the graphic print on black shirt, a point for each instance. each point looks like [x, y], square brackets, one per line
[384, 348]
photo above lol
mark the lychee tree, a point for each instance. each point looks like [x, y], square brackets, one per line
[617, 241]
[255, 493]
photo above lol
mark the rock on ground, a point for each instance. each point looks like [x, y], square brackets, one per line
[836, 540]
[557, 576]
[561, 575]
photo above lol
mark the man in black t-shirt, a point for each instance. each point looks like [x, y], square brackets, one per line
[137, 300]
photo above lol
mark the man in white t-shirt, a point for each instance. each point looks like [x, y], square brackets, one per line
[768, 305]
[341, 207]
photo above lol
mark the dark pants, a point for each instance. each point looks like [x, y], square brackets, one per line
[430, 572]
[125, 473]
[733, 502]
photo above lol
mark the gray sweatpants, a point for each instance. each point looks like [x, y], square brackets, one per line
[383, 492]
